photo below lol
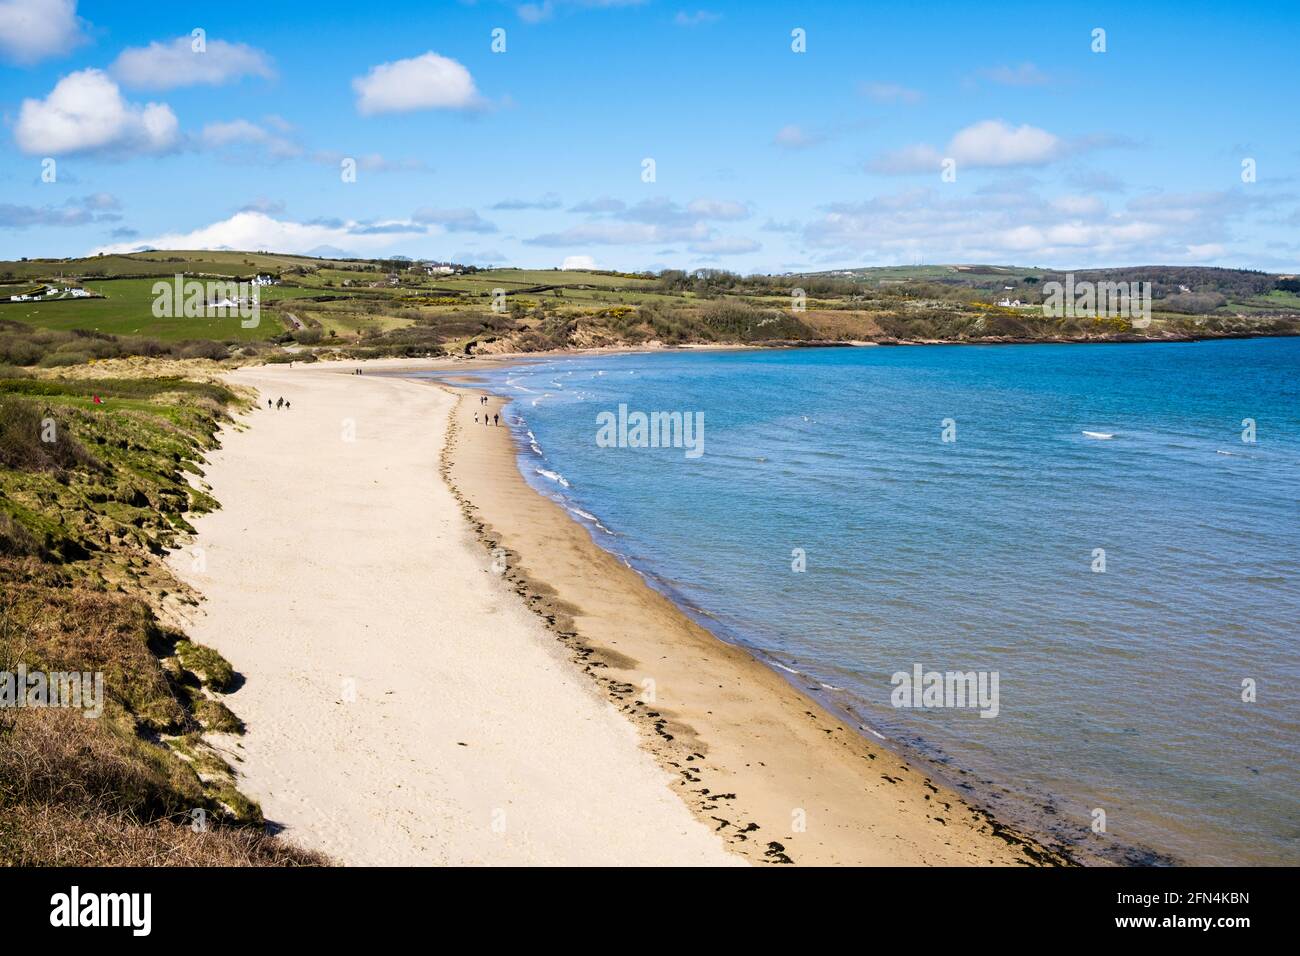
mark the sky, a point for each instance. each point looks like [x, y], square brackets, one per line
[756, 137]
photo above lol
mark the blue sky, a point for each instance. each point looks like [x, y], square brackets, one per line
[765, 159]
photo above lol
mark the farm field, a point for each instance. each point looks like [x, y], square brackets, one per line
[126, 308]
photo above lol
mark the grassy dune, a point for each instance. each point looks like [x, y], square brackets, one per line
[92, 495]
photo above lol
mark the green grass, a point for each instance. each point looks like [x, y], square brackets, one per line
[127, 309]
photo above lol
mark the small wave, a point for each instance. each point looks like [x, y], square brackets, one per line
[788, 670]
[1100, 436]
[589, 517]
[554, 476]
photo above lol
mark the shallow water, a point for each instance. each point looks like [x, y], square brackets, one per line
[1118, 690]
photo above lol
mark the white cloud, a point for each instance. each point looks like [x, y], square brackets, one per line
[85, 113]
[578, 262]
[717, 209]
[1023, 226]
[1073, 205]
[428, 82]
[32, 30]
[242, 137]
[994, 143]
[986, 144]
[256, 230]
[165, 66]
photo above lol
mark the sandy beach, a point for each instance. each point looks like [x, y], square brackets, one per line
[402, 705]
[442, 667]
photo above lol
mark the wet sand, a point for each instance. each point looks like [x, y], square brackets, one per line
[779, 778]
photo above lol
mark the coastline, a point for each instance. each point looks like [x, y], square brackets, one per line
[782, 778]
[402, 706]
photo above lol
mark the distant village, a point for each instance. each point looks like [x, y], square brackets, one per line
[50, 294]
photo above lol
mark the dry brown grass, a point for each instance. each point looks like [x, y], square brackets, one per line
[105, 790]
[57, 836]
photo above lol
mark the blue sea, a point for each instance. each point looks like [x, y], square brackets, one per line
[1112, 530]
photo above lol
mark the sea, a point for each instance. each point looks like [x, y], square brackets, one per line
[1098, 544]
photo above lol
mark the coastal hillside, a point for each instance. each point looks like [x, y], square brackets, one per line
[108, 306]
[94, 490]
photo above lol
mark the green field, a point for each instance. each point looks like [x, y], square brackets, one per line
[127, 309]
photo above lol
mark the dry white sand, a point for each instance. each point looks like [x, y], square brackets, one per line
[403, 706]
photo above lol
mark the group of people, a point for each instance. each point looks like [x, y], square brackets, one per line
[493, 419]
[279, 404]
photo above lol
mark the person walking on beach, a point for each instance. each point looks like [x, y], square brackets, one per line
[279, 404]
[496, 419]
[476, 418]
[268, 403]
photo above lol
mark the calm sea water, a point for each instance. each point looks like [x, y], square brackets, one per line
[1119, 690]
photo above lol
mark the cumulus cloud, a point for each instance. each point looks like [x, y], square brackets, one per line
[85, 113]
[428, 82]
[34, 30]
[165, 66]
[986, 144]
[257, 230]
[578, 262]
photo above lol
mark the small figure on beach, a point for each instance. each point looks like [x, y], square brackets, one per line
[268, 403]
[279, 404]
[286, 405]
[476, 418]
[496, 419]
